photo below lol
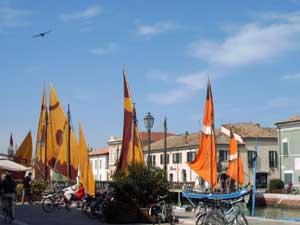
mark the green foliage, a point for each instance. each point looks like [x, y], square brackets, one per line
[142, 185]
[276, 185]
[19, 189]
[38, 186]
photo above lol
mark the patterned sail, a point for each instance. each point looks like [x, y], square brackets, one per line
[131, 145]
[205, 163]
[86, 176]
[57, 152]
[24, 152]
[40, 147]
[235, 165]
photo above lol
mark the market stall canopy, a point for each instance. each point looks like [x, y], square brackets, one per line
[6, 164]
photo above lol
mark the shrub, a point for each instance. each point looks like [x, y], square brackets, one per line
[143, 184]
[276, 184]
[38, 186]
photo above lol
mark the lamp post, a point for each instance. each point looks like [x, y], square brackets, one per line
[149, 120]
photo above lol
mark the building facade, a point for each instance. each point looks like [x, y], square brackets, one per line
[99, 162]
[289, 150]
[183, 148]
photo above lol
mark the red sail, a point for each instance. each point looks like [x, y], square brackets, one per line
[205, 163]
[235, 165]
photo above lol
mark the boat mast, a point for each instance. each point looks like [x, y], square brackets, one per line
[69, 145]
[46, 140]
[238, 162]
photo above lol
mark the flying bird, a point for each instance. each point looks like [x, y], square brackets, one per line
[42, 34]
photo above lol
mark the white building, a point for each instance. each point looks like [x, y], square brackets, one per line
[99, 162]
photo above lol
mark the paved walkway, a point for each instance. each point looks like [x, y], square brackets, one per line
[187, 219]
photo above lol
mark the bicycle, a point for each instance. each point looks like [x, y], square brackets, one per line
[224, 212]
[7, 202]
[162, 211]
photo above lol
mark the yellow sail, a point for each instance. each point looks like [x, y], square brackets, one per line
[86, 174]
[41, 138]
[131, 145]
[24, 152]
[58, 138]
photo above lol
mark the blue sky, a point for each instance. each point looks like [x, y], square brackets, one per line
[250, 50]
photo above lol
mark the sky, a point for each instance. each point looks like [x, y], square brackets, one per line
[248, 49]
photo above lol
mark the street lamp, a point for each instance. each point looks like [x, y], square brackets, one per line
[149, 120]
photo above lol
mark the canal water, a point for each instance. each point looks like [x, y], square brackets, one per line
[277, 213]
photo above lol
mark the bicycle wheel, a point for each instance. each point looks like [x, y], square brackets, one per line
[200, 218]
[48, 205]
[241, 219]
[214, 218]
[170, 218]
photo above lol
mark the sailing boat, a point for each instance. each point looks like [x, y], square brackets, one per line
[205, 163]
[24, 152]
[41, 166]
[86, 176]
[131, 152]
[235, 165]
[60, 151]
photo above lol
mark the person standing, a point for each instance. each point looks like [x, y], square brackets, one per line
[27, 188]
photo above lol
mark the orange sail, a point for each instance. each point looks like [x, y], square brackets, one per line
[40, 147]
[58, 139]
[86, 174]
[205, 163]
[24, 152]
[235, 165]
[131, 145]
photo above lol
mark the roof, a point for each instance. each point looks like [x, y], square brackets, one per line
[292, 119]
[252, 130]
[155, 136]
[187, 140]
[101, 151]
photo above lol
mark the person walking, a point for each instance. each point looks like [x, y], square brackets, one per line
[8, 194]
[27, 188]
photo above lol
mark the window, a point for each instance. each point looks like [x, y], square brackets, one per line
[285, 148]
[153, 160]
[100, 162]
[251, 155]
[183, 175]
[223, 155]
[261, 180]
[176, 157]
[171, 177]
[190, 156]
[288, 177]
[162, 159]
[272, 159]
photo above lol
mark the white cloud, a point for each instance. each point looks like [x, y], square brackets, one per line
[187, 85]
[160, 27]
[157, 75]
[194, 81]
[279, 102]
[86, 14]
[170, 97]
[104, 51]
[253, 42]
[11, 17]
[291, 77]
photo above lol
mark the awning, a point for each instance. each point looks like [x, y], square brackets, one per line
[12, 166]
